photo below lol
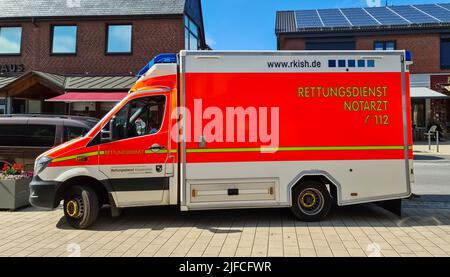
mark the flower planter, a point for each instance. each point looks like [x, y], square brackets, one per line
[14, 193]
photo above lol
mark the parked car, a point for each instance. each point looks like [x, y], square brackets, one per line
[25, 137]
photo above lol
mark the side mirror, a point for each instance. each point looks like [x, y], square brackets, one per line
[108, 136]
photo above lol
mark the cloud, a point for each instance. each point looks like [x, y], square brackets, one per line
[64, 44]
[120, 38]
[7, 46]
[210, 41]
[10, 38]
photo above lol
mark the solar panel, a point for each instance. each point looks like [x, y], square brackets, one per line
[385, 16]
[333, 18]
[374, 16]
[413, 14]
[436, 11]
[358, 17]
[308, 18]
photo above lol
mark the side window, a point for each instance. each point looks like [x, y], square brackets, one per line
[13, 135]
[140, 117]
[42, 135]
[27, 135]
[71, 133]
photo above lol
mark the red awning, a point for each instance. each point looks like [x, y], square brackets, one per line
[70, 97]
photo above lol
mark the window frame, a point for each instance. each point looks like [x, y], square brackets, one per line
[128, 115]
[188, 32]
[21, 42]
[107, 53]
[385, 42]
[52, 35]
[442, 66]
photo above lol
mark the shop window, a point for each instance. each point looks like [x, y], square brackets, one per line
[64, 40]
[119, 39]
[2, 106]
[445, 53]
[191, 34]
[384, 45]
[418, 113]
[19, 106]
[10, 40]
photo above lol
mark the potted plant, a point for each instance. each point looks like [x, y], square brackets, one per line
[14, 186]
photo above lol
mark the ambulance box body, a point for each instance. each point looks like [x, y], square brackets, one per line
[227, 130]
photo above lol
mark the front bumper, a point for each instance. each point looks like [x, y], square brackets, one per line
[43, 193]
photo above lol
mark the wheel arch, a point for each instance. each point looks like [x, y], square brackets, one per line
[324, 177]
[102, 188]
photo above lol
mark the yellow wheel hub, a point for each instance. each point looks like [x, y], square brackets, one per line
[306, 196]
[72, 208]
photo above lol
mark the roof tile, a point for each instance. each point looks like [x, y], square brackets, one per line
[52, 8]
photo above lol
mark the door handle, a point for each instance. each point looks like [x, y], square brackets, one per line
[156, 148]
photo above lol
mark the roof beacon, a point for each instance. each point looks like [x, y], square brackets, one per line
[409, 57]
[162, 58]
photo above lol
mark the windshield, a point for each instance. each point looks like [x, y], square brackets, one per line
[98, 124]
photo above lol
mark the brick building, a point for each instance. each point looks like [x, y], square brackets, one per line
[422, 29]
[81, 56]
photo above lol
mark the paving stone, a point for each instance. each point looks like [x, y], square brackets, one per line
[149, 232]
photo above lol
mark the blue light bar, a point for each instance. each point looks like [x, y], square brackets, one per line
[409, 56]
[162, 58]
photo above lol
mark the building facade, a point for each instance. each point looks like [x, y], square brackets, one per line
[55, 54]
[424, 30]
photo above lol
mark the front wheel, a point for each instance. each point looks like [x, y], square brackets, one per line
[311, 201]
[81, 206]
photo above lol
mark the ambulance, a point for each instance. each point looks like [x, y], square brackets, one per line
[208, 130]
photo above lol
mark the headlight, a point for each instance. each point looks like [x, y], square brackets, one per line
[41, 164]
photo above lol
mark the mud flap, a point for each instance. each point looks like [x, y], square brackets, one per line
[394, 206]
[115, 211]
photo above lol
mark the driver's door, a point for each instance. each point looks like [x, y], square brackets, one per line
[135, 161]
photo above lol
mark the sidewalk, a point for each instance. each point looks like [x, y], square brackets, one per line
[355, 231]
[423, 149]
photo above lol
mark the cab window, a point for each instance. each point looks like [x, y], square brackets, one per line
[140, 117]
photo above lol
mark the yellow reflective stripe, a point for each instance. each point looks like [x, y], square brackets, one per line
[288, 149]
[90, 154]
[258, 149]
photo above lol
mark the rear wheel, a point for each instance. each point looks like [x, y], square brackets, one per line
[311, 201]
[81, 206]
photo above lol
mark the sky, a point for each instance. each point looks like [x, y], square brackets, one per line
[250, 24]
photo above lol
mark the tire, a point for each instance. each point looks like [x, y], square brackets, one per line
[81, 206]
[311, 201]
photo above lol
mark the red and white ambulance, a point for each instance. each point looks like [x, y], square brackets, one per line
[226, 130]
